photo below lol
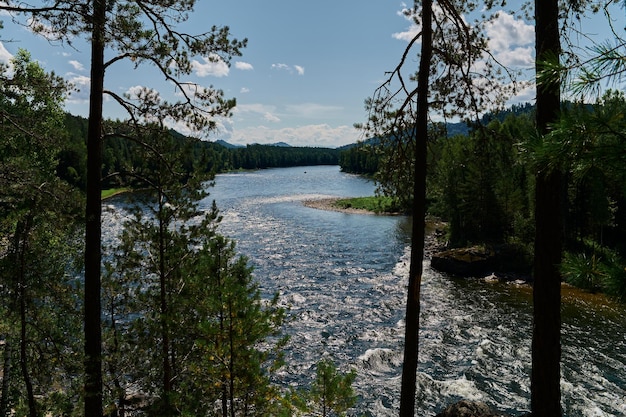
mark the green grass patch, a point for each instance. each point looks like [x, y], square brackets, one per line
[112, 192]
[376, 204]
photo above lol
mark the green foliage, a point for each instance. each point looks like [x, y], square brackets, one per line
[113, 192]
[480, 185]
[330, 394]
[39, 298]
[332, 391]
[596, 269]
[266, 156]
[363, 158]
[583, 271]
[187, 325]
[376, 204]
[122, 156]
[239, 337]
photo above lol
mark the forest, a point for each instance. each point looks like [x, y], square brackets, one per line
[120, 156]
[184, 327]
[481, 184]
[167, 320]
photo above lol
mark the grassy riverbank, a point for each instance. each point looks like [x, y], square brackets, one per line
[376, 204]
[113, 192]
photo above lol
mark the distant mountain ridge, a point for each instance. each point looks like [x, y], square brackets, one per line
[227, 145]
[452, 128]
[232, 146]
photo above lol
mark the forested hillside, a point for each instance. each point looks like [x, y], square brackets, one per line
[122, 156]
[184, 329]
[482, 185]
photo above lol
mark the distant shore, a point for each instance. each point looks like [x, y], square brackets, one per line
[330, 205]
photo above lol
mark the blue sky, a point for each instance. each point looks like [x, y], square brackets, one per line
[305, 74]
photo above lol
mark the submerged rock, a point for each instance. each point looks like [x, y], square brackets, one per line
[466, 408]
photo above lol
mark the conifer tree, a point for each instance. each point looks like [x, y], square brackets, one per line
[145, 33]
[38, 230]
[332, 391]
[186, 323]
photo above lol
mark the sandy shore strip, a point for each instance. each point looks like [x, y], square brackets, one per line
[330, 204]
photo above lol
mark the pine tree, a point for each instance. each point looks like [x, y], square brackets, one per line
[146, 34]
[38, 230]
[186, 324]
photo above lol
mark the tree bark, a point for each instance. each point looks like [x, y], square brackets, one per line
[420, 131]
[165, 314]
[93, 215]
[546, 344]
[6, 378]
[21, 246]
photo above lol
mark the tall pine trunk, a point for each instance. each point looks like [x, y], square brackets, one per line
[546, 344]
[21, 246]
[420, 135]
[6, 378]
[165, 314]
[93, 215]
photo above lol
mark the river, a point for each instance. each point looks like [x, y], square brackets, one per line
[343, 277]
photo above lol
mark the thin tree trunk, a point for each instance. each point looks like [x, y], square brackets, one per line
[21, 237]
[219, 338]
[119, 390]
[411, 338]
[231, 360]
[6, 378]
[93, 215]
[165, 333]
[546, 344]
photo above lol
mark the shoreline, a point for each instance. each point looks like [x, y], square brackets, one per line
[328, 204]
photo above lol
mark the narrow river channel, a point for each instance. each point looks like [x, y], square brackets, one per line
[343, 277]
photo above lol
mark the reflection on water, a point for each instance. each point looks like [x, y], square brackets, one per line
[343, 276]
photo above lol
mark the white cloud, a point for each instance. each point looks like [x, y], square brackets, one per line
[80, 83]
[244, 90]
[505, 32]
[5, 56]
[527, 94]
[291, 69]
[77, 65]
[271, 118]
[521, 57]
[280, 66]
[511, 41]
[319, 135]
[311, 110]
[254, 108]
[43, 29]
[212, 65]
[267, 112]
[135, 91]
[412, 31]
[244, 66]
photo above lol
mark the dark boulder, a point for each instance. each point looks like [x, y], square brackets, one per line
[479, 261]
[473, 261]
[466, 408]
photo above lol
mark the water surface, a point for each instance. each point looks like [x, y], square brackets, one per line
[343, 276]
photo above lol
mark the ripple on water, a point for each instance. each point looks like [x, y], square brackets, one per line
[344, 278]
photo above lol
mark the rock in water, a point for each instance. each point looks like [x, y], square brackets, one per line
[465, 262]
[466, 408]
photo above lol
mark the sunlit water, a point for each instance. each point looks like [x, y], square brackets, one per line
[343, 277]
